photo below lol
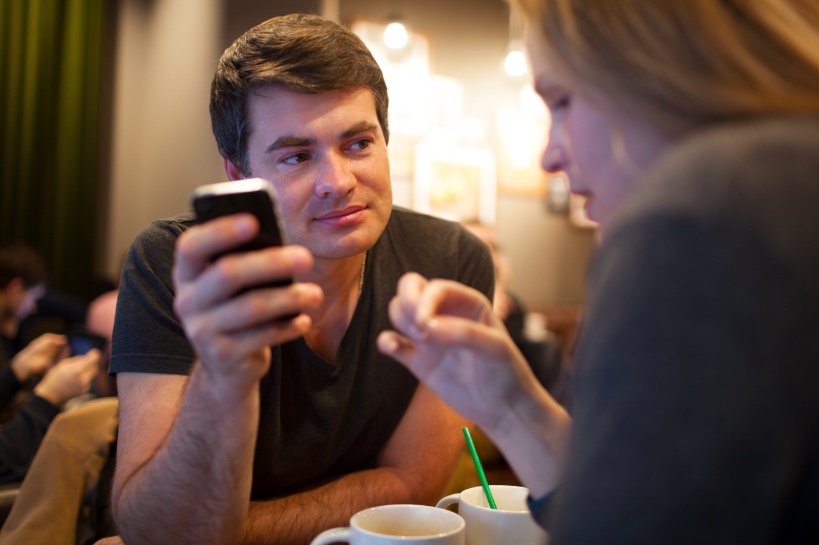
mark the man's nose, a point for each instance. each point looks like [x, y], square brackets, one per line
[336, 177]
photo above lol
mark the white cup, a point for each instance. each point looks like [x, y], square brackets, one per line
[398, 525]
[511, 523]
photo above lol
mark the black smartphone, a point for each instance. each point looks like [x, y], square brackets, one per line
[255, 196]
[80, 341]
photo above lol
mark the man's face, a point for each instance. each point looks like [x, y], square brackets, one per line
[326, 156]
[21, 301]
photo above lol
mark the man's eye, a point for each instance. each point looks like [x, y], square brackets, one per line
[296, 158]
[362, 144]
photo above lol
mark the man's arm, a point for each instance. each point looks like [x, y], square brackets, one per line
[413, 468]
[184, 459]
[186, 445]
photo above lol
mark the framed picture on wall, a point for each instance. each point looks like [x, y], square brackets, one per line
[455, 182]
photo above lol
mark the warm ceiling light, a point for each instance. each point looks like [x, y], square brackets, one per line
[395, 35]
[515, 63]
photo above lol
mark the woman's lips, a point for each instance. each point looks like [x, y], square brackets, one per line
[344, 217]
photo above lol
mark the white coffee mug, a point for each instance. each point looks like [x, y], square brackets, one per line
[511, 523]
[398, 525]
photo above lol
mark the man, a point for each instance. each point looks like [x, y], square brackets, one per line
[22, 282]
[39, 364]
[259, 429]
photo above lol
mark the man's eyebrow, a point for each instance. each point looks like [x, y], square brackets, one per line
[289, 142]
[361, 126]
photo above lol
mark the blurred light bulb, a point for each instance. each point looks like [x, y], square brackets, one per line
[395, 35]
[515, 63]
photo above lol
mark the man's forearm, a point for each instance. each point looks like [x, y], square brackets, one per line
[298, 518]
[196, 486]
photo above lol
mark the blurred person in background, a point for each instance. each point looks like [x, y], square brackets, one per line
[692, 127]
[23, 277]
[62, 380]
[506, 304]
[39, 364]
[100, 320]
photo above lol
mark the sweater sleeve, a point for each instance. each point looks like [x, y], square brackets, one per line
[687, 425]
[21, 436]
[9, 386]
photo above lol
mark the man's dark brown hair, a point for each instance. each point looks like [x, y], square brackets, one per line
[302, 53]
[19, 260]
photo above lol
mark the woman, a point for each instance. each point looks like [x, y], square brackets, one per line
[692, 126]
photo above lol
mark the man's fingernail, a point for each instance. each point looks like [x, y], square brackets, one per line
[244, 225]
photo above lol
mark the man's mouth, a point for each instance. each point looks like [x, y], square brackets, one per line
[343, 216]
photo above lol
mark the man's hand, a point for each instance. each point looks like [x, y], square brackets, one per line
[231, 329]
[37, 357]
[116, 540]
[69, 378]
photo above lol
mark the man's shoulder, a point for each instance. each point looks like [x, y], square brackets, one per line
[179, 222]
[408, 228]
[165, 229]
[410, 220]
[434, 247]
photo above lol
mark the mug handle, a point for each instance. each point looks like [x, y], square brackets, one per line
[331, 536]
[449, 500]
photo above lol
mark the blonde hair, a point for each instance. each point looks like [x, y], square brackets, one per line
[680, 64]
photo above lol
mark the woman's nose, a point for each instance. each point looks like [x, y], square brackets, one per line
[554, 158]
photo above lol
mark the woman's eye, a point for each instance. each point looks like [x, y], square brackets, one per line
[296, 158]
[560, 104]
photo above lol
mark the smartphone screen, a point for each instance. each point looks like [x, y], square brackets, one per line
[82, 343]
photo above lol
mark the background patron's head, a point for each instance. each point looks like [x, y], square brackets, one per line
[23, 278]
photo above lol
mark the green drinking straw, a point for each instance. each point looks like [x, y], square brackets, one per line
[479, 467]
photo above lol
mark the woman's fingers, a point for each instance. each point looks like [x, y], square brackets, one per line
[419, 302]
[398, 347]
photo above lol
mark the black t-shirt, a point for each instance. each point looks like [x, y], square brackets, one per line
[317, 420]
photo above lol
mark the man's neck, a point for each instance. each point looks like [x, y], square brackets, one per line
[340, 279]
[336, 277]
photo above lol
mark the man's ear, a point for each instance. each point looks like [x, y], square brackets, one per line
[233, 172]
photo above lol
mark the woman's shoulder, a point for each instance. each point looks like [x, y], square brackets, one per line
[735, 169]
[764, 140]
